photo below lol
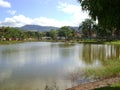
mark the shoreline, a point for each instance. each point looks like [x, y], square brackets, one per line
[72, 41]
[96, 84]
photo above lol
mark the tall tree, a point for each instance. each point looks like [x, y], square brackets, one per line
[53, 34]
[107, 12]
[87, 27]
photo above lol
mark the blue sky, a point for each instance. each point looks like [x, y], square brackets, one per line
[16, 13]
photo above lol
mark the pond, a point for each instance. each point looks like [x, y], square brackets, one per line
[37, 65]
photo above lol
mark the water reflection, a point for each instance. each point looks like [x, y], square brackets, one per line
[92, 53]
[31, 66]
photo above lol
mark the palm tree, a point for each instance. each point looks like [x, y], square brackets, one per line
[87, 27]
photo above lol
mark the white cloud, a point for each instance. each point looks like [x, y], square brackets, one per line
[69, 8]
[12, 12]
[75, 10]
[5, 4]
[15, 21]
[20, 20]
[44, 21]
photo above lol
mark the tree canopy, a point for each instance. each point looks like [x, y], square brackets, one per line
[66, 31]
[87, 27]
[107, 12]
[53, 34]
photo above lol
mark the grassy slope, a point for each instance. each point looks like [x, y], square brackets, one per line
[112, 87]
[110, 69]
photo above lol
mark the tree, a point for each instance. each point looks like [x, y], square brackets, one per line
[53, 34]
[42, 35]
[87, 27]
[37, 35]
[107, 12]
[66, 32]
[22, 35]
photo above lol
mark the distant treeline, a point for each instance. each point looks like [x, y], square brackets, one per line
[88, 29]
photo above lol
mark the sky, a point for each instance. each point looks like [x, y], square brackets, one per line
[58, 13]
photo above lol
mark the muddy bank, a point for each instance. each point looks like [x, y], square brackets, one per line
[96, 84]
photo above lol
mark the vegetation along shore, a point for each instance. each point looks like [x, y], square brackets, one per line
[102, 28]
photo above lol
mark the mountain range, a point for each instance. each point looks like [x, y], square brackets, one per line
[40, 28]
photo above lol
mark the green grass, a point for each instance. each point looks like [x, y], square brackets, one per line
[89, 41]
[10, 42]
[113, 42]
[110, 68]
[112, 87]
[108, 88]
[99, 42]
[116, 85]
[15, 42]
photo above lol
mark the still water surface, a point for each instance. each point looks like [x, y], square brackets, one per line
[33, 65]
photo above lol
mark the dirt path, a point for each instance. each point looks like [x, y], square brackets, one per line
[96, 84]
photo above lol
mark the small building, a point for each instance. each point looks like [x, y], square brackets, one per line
[46, 38]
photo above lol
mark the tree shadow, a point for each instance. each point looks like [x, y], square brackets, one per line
[108, 88]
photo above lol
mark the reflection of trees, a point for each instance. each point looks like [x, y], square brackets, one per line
[86, 54]
[92, 53]
[114, 52]
[66, 45]
[66, 50]
[101, 53]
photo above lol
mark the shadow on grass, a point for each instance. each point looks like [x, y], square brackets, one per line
[108, 88]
